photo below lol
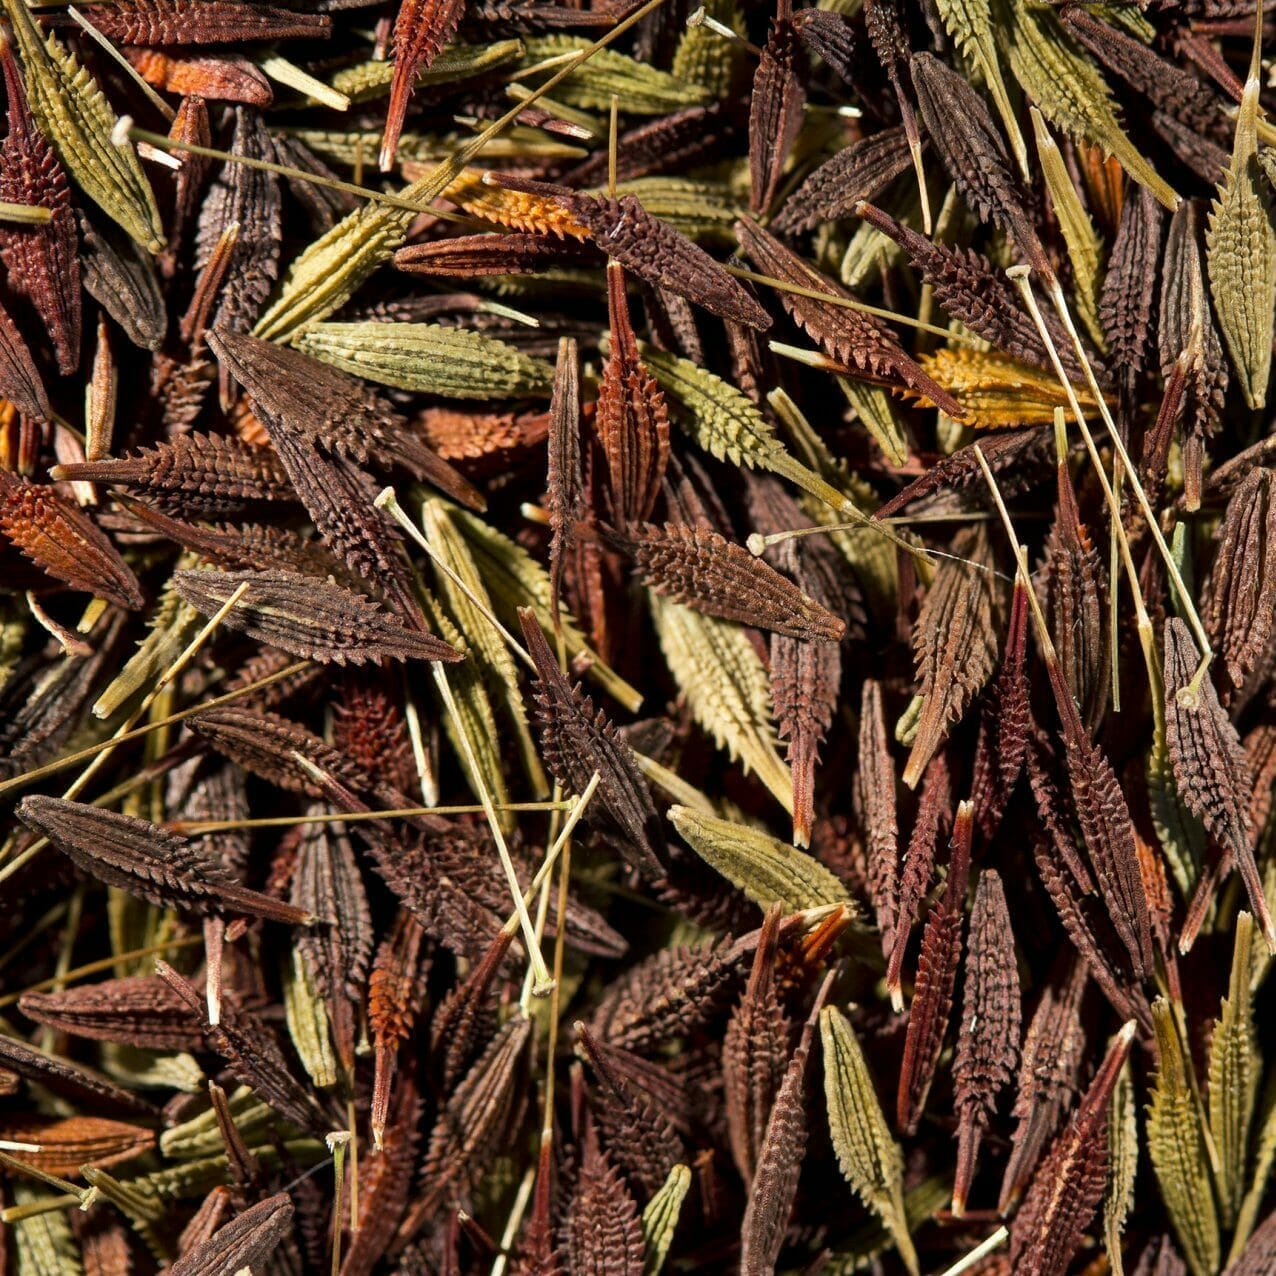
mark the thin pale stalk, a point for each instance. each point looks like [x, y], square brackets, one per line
[544, 981]
[103, 963]
[514, 1221]
[551, 857]
[389, 502]
[1189, 607]
[337, 1146]
[982, 1250]
[847, 303]
[1019, 276]
[25, 214]
[116, 56]
[61, 764]
[193, 827]
[160, 142]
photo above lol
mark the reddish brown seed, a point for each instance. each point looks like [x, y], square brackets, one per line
[1067, 1188]
[225, 78]
[65, 542]
[140, 1010]
[421, 29]
[392, 1009]
[179, 22]
[68, 1143]
[41, 261]
[468, 256]
[631, 420]
[936, 976]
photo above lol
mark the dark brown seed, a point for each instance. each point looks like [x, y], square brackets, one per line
[954, 643]
[20, 380]
[972, 289]
[246, 1241]
[1129, 287]
[250, 199]
[875, 791]
[776, 106]
[830, 35]
[701, 569]
[327, 885]
[779, 1163]
[1005, 724]
[936, 976]
[337, 493]
[122, 278]
[637, 1133]
[1048, 1076]
[317, 619]
[147, 860]
[577, 740]
[1239, 604]
[858, 172]
[753, 1053]
[934, 813]
[1068, 1186]
[859, 342]
[988, 1040]
[195, 475]
[335, 412]
[252, 1057]
[140, 1010]
[652, 250]
[973, 154]
[1165, 85]
[70, 1080]
[480, 1113]
[1209, 763]
[1074, 600]
[662, 145]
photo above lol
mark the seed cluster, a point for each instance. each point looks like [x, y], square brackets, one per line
[637, 637]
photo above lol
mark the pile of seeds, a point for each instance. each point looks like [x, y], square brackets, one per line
[636, 638]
